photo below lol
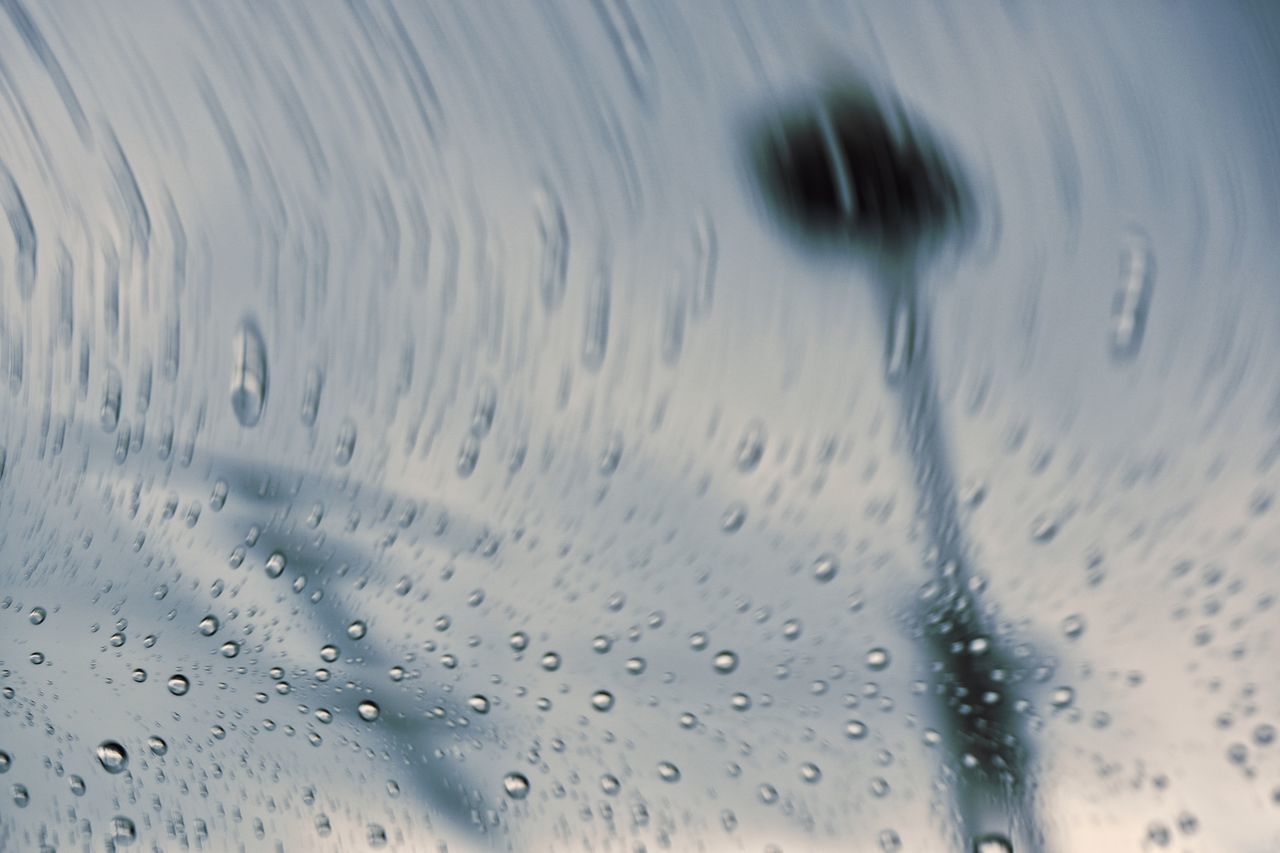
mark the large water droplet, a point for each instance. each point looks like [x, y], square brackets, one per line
[112, 756]
[248, 373]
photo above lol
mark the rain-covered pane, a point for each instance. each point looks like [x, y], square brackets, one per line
[616, 425]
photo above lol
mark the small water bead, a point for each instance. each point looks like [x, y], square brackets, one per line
[209, 625]
[735, 515]
[36, 658]
[601, 644]
[791, 629]
[992, 844]
[825, 568]
[230, 649]
[179, 685]
[1264, 734]
[116, 639]
[479, 704]
[602, 700]
[396, 673]
[751, 447]
[879, 786]
[551, 661]
[768, 794]
[516, 785]
[740, 702]
[698, 642]
[1073, 626]
[725, 662]
[889, 841]
[78, 786]
[157, 745]
[668, 772]
[275, 564]
[112, 756]
[329, 653]
[123, 831]
[248, 373]
[6, 761]
[519, 641]
[377, 835]
[21, 796]
[877, 659]
[139, 675]
[356, 630]
[38, 615]
[688, 720]
[344, 447]
[855, 730]
[324, 715]
[368, 710]
[610, 784]
[1062, 697]
[218, 497]
[636, 666]
[810, 773]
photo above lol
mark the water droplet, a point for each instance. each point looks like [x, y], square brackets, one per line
[1132, 300]
[248, 373]
[855, 729]
[123, 831]
[553, 229]
[345, 445]
[368, 710]
[179, 685]
[230, 649]
[610, 784]
[1073, 626]
[551, 661]
[312, 386]
[992, 844]
[810, 773]
[751, 447]
[38, 615]
[77, 785]
[21, 796]
[602, 700]
[6, 761]
[825, 567]
[275, 564]
[479, 704]
[209, 625]
[595, 336]
[519, 641]
[889, 841]
[356, 630]
[725, 662]
[735, 515]
[468, 456]
[668, 772]
[1062, 697]
[516, 785]
[112, 756]
[157, 745]
[877, 659]
[110, 413]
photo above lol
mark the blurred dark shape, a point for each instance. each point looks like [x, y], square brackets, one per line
[849, 166]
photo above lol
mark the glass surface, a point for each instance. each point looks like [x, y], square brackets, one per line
[638, 426]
